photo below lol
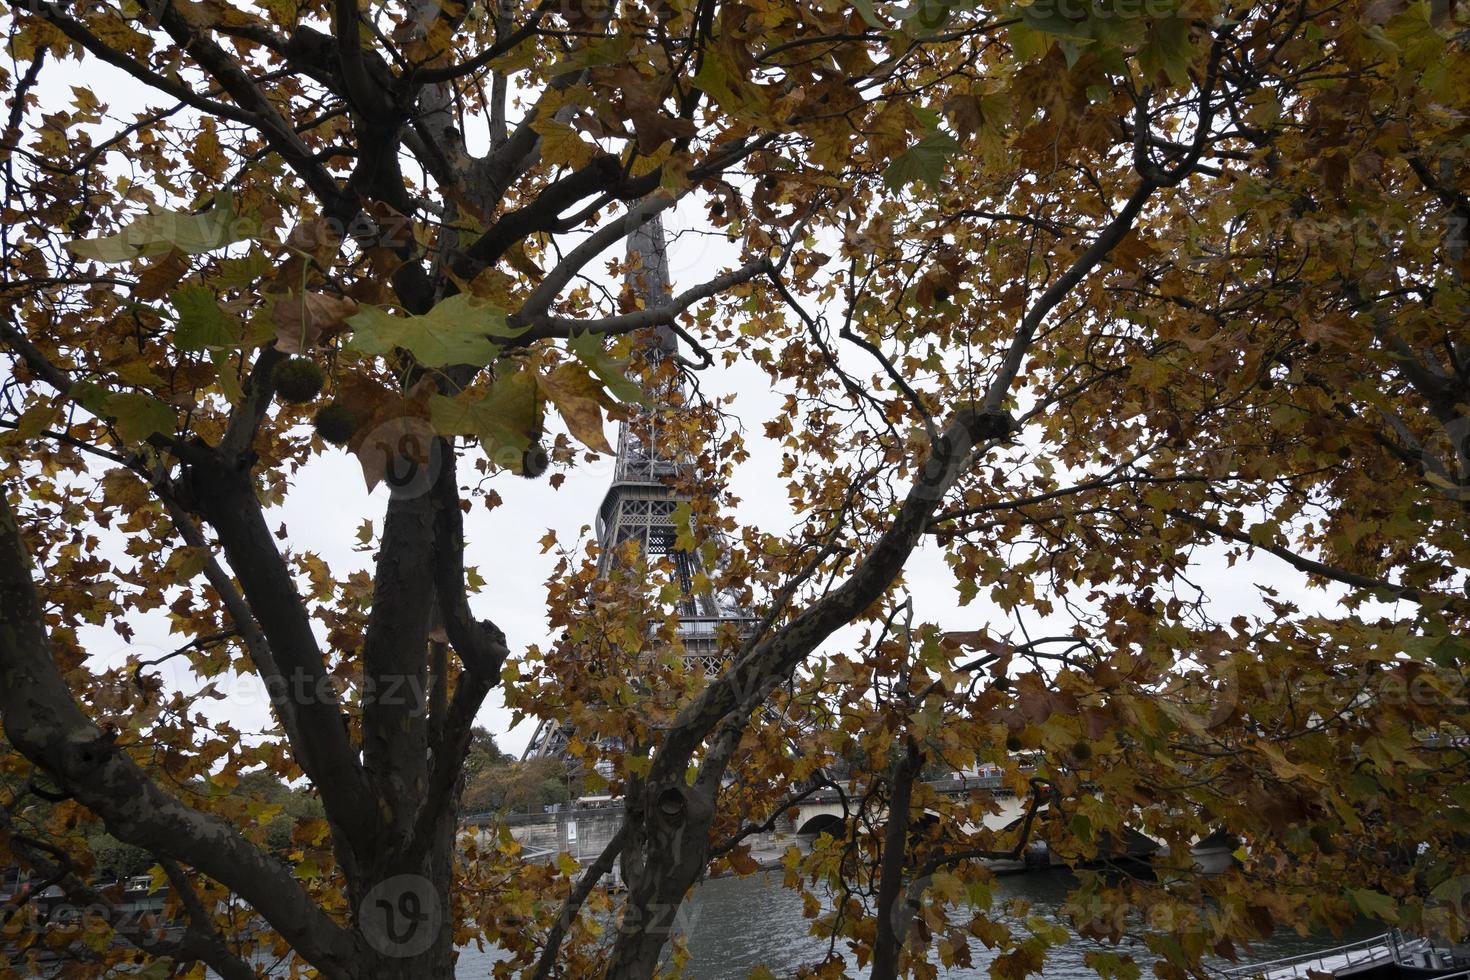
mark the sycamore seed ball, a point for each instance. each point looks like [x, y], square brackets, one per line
[1082, 752]
[534, 461]
[336, 423]
[297, 380]
[1013, 743]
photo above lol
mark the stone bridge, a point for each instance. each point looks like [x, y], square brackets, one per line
[584, 829]
[823, 812]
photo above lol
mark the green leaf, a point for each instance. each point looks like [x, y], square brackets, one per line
[237, 273]
[139, 416]
[1027, 44]
[458, 330]
[607, 51]
[1167, 50]
[136, 415]
[720, 81]
[202, 325]
[928, 118]
[1112, 966]
[870, 17]
[923, 161]
[503, 420]
[1049, 20]
[1375, 904]
[590, 351]
[1082, 827]
[159, 231]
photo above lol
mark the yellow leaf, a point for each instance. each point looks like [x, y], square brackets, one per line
[562, 145]
[578, 396]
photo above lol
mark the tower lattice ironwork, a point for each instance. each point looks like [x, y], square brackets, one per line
[645, 492]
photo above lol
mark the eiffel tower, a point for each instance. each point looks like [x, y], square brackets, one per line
[640, 503]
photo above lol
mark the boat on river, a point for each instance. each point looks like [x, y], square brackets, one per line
[1391, 956]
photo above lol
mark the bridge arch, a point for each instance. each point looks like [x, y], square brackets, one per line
[821, 823]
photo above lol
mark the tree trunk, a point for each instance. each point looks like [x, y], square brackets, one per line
[893, 915]
[667, 849]
[405, 909]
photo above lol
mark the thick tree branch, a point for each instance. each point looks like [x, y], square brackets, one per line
[547, 327]
[395, 658]
[480, 645]
[45, 723]
[225, 495]
[892, 927]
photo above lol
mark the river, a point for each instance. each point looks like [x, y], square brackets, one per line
[736, 924]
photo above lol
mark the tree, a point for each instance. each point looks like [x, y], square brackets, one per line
[518, 786]
[496, 781]
[1071, 292]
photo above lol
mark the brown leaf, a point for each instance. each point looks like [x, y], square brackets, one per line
[1098, 721]
[302, 321]
[654, 128]
[964, 112]
[162, 275]
[741, 862]
[391, 425]
[310, 248]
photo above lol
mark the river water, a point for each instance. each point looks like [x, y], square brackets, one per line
[736, 924]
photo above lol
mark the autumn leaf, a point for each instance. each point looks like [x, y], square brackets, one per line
[202, 324]
[741, 861]
[458, 330]
[579, 398]
[303, 321]
[158, 232]
[391, 426]
[563, 144]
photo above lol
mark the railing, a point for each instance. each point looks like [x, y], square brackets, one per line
[1388, 946]
[954, 784]
[532, 816]
[708, 625]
